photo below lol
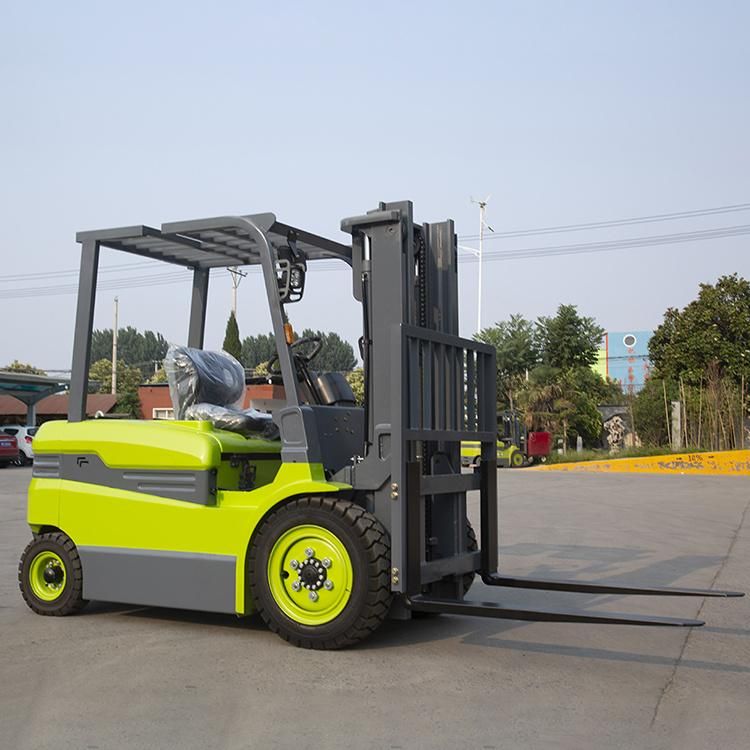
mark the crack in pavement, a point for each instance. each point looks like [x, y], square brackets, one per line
[670, 680]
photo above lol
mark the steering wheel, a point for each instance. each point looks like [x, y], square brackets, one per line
[304, 357]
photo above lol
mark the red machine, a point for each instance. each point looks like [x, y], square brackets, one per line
[538, 446]
[535, 446]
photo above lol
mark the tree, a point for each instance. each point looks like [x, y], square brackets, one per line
[137, 349]
[356, 379]
[22, 367]
[517, 353]
[705, 350]
[257, 349]
[543, 403]
[650, 412]
[160, 376]
[711, 334]
[568, 339]
[128, 380]
[565, 401]
[336, 355]
[232, 344]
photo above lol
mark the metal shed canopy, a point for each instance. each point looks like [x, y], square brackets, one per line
[216, 242]
[29, 389]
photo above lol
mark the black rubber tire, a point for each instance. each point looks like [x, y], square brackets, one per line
[516, 460]
[369, 549]
[71, 600]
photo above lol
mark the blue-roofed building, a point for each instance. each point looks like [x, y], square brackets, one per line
[623, 357]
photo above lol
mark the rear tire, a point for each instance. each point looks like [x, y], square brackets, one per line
[351, 554]
[50, 575]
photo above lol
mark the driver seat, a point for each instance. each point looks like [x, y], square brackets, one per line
[205, 385]
[333, 389]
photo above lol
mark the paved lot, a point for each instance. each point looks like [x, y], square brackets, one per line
[119, 677]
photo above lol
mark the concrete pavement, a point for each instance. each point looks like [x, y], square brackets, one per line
[125, 677]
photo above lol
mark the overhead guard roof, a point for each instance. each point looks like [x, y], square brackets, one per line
[214, 243]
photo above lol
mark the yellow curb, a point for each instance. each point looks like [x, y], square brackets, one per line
[732, 463]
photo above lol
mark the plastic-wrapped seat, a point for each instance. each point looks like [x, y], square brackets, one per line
[206, 385]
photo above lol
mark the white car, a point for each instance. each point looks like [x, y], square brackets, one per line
[25, 438]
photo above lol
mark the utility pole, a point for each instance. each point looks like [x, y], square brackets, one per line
[482, 224]
[237, 277]
[114, 346]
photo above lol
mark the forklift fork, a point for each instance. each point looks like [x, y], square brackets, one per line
[422, 603]
[582, 587]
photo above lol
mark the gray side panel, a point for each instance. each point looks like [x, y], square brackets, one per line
[191, 486]
[299, 436]
[159, 579]
[342, 434]
[46, 466]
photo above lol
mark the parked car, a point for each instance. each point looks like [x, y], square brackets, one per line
[25, 438]
[8, 450]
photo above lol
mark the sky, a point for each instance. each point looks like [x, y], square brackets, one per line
[561, 112]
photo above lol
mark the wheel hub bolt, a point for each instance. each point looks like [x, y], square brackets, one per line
[313, 596]
[294, 565]
[328, 585]
[309, 552]
[52, 575]
[296, 585]
[326, 562]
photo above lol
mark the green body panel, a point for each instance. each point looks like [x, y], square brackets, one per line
[148, 444]
[99, 516]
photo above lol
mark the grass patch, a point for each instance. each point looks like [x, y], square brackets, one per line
[602, 455]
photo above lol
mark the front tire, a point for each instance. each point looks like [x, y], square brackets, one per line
[320, 572]
[50, 575]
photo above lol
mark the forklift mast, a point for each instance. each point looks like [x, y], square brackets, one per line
[427, 389]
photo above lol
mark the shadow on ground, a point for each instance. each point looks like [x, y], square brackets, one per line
[489, 633]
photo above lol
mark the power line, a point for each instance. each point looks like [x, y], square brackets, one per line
[613, 222]
[624, 244]
[332, 265]
[70, 272]
[160, 279]
[132, 282]
[141, 281]
[487, 235]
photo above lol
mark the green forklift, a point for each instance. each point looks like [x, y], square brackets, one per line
[517, 446]
[323, 517]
